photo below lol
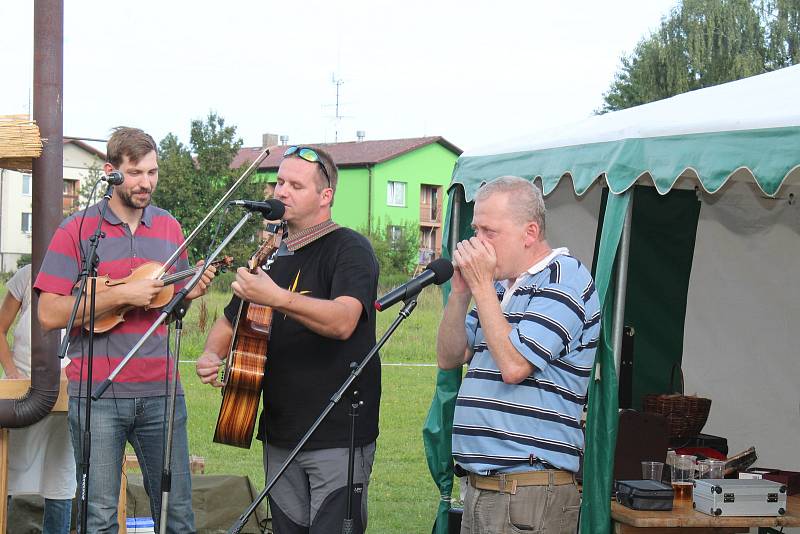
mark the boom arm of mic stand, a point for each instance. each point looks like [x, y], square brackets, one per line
[86, 269]
[253, 166]
[405, 312]
[176, 300]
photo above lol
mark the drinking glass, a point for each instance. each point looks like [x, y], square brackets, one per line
[682, 473]
[652, 470]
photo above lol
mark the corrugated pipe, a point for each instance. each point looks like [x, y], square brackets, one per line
[48, 84]
[36, 403]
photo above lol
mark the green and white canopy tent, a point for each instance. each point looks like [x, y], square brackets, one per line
[687, 209]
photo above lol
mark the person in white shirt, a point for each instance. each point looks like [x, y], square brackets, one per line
[40, 457]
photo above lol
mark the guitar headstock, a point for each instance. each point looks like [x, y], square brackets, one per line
[267, 248]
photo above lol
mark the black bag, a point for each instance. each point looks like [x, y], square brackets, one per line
[644, 494]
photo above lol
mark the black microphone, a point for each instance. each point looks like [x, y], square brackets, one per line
[271, 209]
[113, 178]
[437, 272]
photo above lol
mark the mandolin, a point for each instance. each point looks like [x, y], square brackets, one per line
[108, 320]
[244, 366]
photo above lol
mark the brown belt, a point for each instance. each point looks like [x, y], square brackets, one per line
[509, 483]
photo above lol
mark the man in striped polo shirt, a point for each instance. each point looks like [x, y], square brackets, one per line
[133, 408]
[529, 342]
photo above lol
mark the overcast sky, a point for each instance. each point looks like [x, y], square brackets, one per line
[473, 72]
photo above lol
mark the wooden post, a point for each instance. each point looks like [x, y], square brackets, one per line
[3, 478]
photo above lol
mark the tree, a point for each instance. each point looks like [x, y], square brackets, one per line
[702, 43]
[782, 21]
[192, 180]
[396, 247]
[87, 188]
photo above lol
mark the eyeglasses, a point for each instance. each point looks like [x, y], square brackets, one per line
[310, 155]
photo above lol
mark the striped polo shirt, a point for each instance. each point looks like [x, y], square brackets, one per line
[554, 312]
[119, 252]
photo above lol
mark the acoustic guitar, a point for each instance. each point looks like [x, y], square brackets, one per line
[108, 320]
[244, 366]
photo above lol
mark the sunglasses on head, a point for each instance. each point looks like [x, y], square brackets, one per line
[310, 155]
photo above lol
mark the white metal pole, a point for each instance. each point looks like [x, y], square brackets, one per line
[623, 255]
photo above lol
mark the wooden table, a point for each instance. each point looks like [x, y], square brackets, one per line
[627, 521]
[13, 389]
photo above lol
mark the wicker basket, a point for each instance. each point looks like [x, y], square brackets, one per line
[686, 414]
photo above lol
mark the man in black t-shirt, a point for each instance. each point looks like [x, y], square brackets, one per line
[321, 288]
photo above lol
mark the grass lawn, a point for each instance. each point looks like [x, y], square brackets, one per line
[402, 496]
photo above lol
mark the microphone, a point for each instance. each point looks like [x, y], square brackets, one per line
[271, 209]
[113, 178]
[437, 272]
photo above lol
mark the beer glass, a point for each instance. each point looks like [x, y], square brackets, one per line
[682, 471]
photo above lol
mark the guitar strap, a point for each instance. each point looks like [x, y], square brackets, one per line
[309, 235]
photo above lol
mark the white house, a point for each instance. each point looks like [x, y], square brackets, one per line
[16, 215]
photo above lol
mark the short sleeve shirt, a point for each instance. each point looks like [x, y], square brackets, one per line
[304, 369]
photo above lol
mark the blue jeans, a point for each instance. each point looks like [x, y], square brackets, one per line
[142, 423]
[57, 515]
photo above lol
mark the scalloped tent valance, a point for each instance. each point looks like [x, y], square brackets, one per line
[708, 134]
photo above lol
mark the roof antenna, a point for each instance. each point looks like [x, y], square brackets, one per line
[338, 118]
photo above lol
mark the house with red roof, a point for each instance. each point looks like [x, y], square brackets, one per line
[389, 182]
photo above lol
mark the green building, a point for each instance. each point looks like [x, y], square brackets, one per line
[390, 182]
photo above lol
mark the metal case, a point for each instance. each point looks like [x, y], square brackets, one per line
[733, 497]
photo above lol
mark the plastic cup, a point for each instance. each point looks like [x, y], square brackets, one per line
[702, 469]
[682, 474]
[716, 468]
[652, 470]
[710, 469]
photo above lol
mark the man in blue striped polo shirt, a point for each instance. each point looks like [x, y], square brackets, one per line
[530, 342]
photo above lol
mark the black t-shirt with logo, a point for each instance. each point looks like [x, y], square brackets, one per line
[305, 369]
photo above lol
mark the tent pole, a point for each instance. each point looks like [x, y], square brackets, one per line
[454, 238]
[623, 255]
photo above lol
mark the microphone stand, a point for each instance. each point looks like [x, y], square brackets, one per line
[169, 308]
[88, 270]
[176, 306]
[405, 312]
[347, 523]
[166, 472]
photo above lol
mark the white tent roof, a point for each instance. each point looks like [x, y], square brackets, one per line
[766, 101]
[747, 124]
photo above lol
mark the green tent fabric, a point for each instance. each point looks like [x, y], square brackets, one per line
[601, 424]
[662, 245]
[624, 161]
[438, 429]
[436, 434]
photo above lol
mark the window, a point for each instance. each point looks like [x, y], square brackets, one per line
[396, 194]
[70, 187]
[427, 238]
[395, 233]
[26, 223]
[26, 184]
